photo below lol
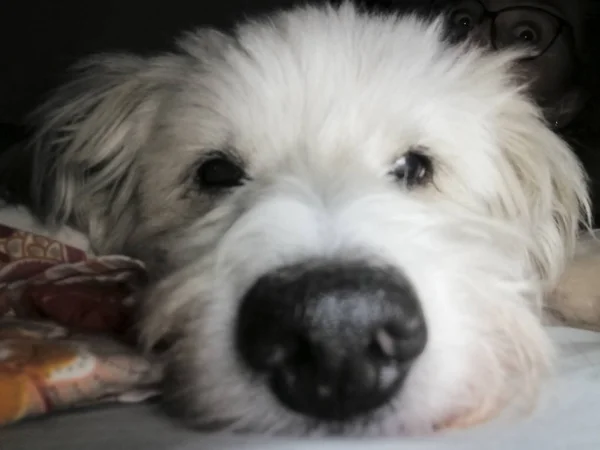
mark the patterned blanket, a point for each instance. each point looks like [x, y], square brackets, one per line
[65, 328]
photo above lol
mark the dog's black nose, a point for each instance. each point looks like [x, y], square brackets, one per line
[334, 340]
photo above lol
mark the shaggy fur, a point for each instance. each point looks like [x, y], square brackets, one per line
[318, 105]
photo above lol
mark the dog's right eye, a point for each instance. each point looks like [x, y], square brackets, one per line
[219, 172]
[414, 168]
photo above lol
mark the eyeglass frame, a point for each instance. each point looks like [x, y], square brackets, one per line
[493, 16]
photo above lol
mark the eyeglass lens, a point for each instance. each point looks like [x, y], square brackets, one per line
[528, 26]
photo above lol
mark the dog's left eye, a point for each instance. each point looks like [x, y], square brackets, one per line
[413, 168]
[219, 172]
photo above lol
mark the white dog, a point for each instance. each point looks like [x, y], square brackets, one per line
[350, 223]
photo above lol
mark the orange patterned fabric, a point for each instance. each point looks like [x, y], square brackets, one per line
[64, 320]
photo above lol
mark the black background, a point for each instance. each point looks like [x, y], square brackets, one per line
[39, 39]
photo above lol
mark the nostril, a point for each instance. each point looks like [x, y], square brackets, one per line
[383, 344]
[407, 327]
[396, 343]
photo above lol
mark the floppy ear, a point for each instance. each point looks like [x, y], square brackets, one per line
[547, 191]
[89, 134]
[92, 130]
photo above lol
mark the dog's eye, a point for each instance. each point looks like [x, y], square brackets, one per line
[219, 172]
[413, 168]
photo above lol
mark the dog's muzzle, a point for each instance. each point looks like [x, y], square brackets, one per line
[333, 340]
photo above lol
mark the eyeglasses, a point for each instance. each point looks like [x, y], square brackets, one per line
[528, 26]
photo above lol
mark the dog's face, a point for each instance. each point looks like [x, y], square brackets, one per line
[349, 224]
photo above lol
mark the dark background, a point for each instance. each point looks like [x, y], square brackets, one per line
[39, 39]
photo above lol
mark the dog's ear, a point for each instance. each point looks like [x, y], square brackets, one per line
[89, 134]
[546, 188]
[92, 130]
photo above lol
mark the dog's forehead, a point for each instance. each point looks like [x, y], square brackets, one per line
[319, 81]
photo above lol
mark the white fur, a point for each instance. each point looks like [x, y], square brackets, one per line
[319, 103]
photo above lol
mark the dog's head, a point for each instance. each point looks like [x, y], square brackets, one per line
[349, 222]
